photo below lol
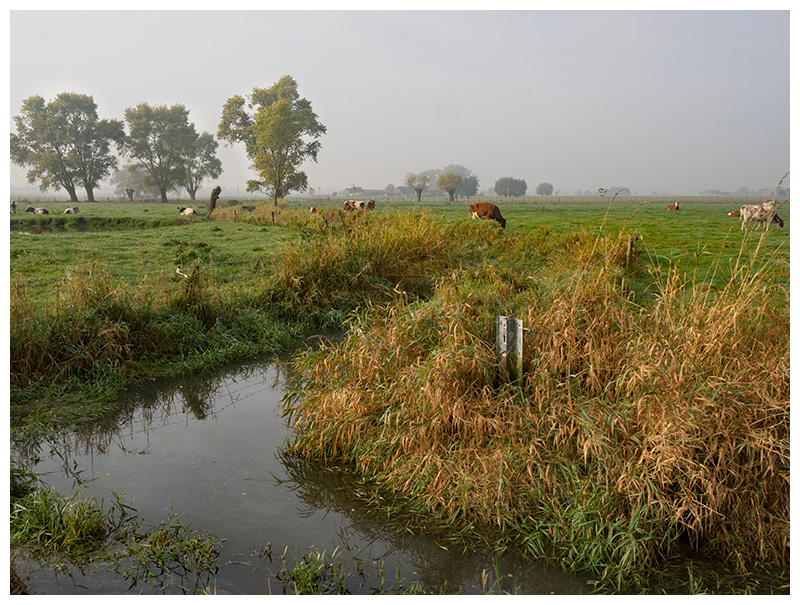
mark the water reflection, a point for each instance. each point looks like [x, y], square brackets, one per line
[211, 450]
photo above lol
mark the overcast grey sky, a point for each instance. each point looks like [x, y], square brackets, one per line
[677, 101]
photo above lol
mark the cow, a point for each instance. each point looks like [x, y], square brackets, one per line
[313, 210]
[73, 210]
[13, 207]
[487, 211]
[775, 219]
[675, 206]
[33, 210]
[371, 205]
[763, 213]
[353, 205]
[186, 211]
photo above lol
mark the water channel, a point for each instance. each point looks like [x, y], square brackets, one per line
[210, 450]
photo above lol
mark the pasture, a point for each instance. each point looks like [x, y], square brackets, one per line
[653, 414]
[139, 243]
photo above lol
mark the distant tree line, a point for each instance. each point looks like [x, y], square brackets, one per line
[458, 181]
[65, 145]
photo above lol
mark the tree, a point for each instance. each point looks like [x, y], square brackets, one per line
[544, 189]
[449, 181]
[131, 178]
[201, 163]
[279, 135]
[469, 182]
[417, 182]
[64, 143]
[509, 187]
[161, 140]
[469, 186]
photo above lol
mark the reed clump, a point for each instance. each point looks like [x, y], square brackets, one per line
[640, 429]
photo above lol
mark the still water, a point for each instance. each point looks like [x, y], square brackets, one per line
[210, 450]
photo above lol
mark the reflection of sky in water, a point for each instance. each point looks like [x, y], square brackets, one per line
[210, 449]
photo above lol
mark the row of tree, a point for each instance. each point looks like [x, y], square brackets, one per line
[65, 145]
[459, 181]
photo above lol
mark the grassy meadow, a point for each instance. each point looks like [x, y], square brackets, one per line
[653, 414]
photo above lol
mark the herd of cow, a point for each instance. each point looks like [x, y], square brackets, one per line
[32, 210]
[762, 213]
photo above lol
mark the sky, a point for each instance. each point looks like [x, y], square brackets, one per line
[674, 102]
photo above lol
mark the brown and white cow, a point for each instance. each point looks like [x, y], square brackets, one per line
[675, 206]
[353, 205]
[371, 205]
[313, 210]
[763, 213]
[488, 211]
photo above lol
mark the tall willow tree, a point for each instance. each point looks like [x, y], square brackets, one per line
[280, 131]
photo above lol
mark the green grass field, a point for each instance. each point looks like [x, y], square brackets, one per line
[653, 412]
[696, 239]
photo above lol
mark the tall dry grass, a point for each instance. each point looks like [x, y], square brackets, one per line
[639, 428]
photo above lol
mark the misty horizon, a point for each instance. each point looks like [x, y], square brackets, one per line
[660, 102]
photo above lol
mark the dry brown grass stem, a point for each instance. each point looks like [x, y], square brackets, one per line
[674, 414]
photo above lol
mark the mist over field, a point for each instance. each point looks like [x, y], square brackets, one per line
[660, 102]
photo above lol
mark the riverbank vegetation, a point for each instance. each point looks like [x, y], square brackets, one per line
[653, 413]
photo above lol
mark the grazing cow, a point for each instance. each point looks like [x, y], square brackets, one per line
[313, 210]
[735, 213]
[487, 211]
[186, 211]
[353, 205]
[371, 205]
[763, 213]
[33, 210]
[13, 207]
[73, 210]
[675, 206]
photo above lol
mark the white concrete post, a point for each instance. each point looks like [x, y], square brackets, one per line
[509, 345]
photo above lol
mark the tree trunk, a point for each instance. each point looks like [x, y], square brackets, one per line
[419, 194]
[212, 202]
[163, 195]
[191, 193]
[89, 195]
[72, 195]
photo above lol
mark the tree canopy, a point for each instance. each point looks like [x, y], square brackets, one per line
[450, 182]
[64, 143]
[161, 139]
[510, 187]
[201, 163]
[544, 189]
[280, 132]
[469, 182]
[417, 182]
[133, 177]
